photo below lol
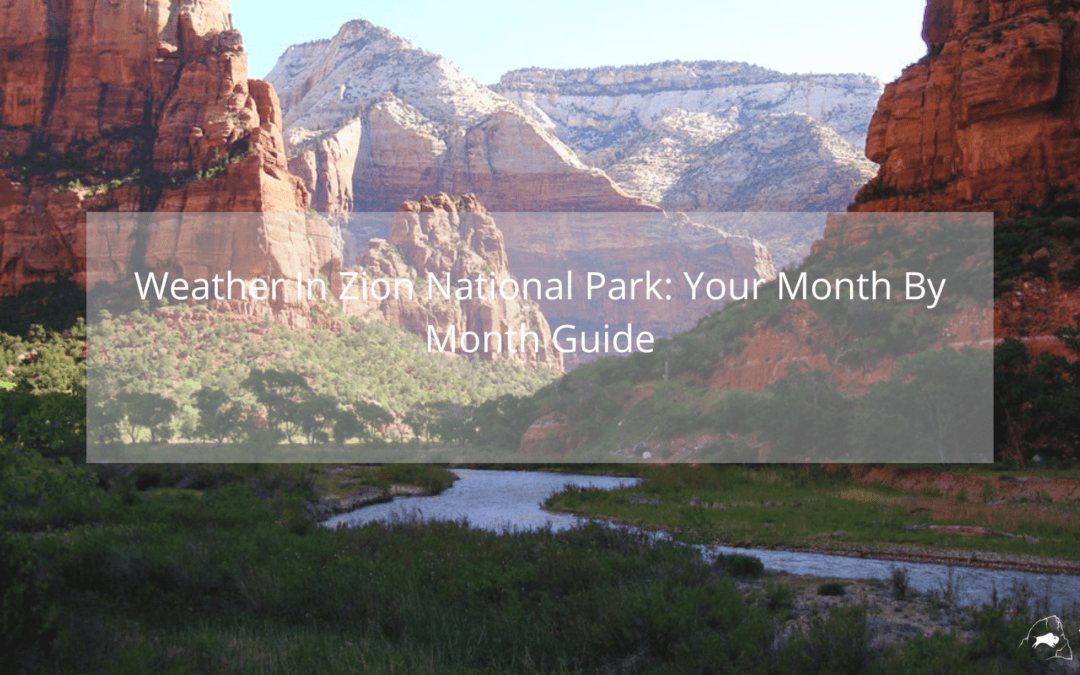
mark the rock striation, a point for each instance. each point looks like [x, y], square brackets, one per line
[373, 121]
[116, 106]
[710, 135]
[448, 240]
[989, 120]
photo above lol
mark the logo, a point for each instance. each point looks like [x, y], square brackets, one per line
[1047, 638]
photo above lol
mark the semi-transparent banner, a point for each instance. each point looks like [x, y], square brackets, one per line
[443, 333]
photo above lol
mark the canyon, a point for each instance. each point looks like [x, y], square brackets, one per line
[442, 238]
[989, 121]
[132, 139]
[372, 120]
[714, 136]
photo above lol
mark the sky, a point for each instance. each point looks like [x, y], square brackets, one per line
[486, 38]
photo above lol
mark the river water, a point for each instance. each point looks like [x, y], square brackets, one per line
[510, 500]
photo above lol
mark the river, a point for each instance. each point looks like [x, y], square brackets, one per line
[509, 500]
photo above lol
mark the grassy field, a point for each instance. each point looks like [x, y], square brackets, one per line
[792, 506]
[220, 569]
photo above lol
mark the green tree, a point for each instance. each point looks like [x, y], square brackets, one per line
[804, 418]
[317, 417]
[935, 406]
[146, 410]
[347, 426]
[282, 395]
[372, 416]
[1037, 404]
[953, 401]
[220, 416]
[501, 422]
[455, 422]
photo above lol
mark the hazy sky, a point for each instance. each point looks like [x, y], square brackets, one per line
[486, 39]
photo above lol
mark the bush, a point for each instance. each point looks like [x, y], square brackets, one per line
[27, 618]
[779, 596]
[838, 644]
[737, 565]
[900, 583]
[831, 588]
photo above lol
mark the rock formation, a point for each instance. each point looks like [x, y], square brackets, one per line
[710, 135]
[623, 245]
[373, 121]
[448, 240]
[116, 106]
[989, 120]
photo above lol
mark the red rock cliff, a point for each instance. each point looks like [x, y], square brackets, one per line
[989, 120]
[135, 106]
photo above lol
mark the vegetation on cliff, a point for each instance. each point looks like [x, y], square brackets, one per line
[184, 373]
[1037, 366]
[829, 393]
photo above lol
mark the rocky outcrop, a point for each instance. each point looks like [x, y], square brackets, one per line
[710, 135]
[372, 121]
[449, 240]
[989, 120]
[624, 246]
[112, 106]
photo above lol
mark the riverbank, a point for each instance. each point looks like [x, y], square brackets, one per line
[348, 488]
[891, 618]
[853, 513]
[896, 616]
[344, 488]
[953, 557]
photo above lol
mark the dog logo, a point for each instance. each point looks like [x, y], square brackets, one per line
[1047, 638]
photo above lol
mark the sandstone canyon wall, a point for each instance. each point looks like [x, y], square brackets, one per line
[118, 106]
[450, 239]
[373, 121]
[989, 120]
[108, 110]
[710, 135]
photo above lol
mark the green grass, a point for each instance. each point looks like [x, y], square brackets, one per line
[223, 583]
[785, 506]
[218, 569]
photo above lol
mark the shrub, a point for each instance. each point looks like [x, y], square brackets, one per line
[27, 618]
[838, 644]
[831, 588]
[738, 565]
[779, 596]
[900, 583]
